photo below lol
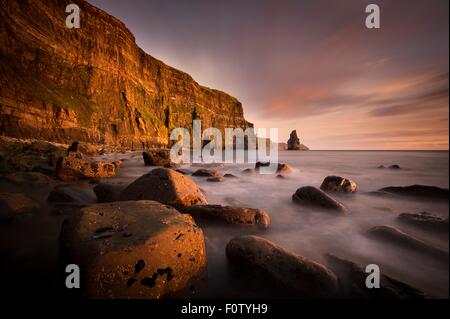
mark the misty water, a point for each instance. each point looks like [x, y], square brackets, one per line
[313, 232]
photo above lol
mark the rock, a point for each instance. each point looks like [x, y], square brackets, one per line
[229, 214]
[183, 171]
[281, 168]
[73, 148]
[108, 192]
[72, 167]
[418, 191]
[135, 249]
[381, 167]
[71, 194]
[228, 175]
[118, 164]
[425, 221]
[395, 166]
[12, 204]
[338, 184]
[352, 279]
[166, 186]
[248, 171]
[44, 168]
[306, 277]
[156, 157]
[215, 179]
[203, 172]
[309, 195]
[27, 177]
[294, 142]
[395, 236]
[281, 176]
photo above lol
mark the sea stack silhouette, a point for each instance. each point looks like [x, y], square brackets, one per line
[293, 144]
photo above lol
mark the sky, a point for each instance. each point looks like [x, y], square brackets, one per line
[312, 65]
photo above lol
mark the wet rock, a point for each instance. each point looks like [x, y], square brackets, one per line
[281, 176]
[44, 168]
[107, 192]
[352, 279]
[395, 166]
[306, 277]
[338, 184]
[135, 249]
[203, 172]
[75, 167]
[27, 177]
[248, 171]
[166, 186]
[418, 191]
[228, 175]
[118, 164]
[309, 195]
[215, 179]
[281, 168]
[381, 167]
[156, 157]
[425, 221]
[183, 171]
[12, 204]
[71, 194]
[229, 214]
[395, 236]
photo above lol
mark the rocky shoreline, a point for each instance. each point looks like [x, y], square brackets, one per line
[145, 239]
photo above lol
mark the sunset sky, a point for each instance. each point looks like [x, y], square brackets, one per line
[311, 65]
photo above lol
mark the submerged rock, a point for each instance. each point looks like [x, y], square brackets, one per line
[307, 278]
[352, 279]
[215, 179]
[338, 184]
[395, 236]
[71, 194]
[156, 157]
[417, 191]
[12, 204]
[107, 192]
[75, 167]
[207, 173]
[229, 214]
[166, 186]
[425, 221]
[135, 249]
[309, 195]
[281, 168]
[395, 166]
[228, 175]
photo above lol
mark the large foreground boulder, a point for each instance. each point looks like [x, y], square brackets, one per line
[425, 221]
[166, 186]
[229, 214]
[397, 237]
[156, 157]
[338, 184]
[306, 277]
[352, 279]
[74, 167]
[418, 192]
[136, 249]
[309, 195]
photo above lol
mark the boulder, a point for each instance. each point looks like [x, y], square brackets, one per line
[215, 179]
[156, 157]
[166, 186]
[203, 172]
[309, 195]
[307, 278]
[118, 164]
[71, 194]
[229, 214]
[281, 168]
[248, 171]
[338, 184]
[12, 204]
[108, 192]
[75, 167]
[27, 177]
[135, 249]
[425, 221]
[397, 237]
[418, 191]
[395, 166]
[352, 279]
[228, 175]
[183, 171]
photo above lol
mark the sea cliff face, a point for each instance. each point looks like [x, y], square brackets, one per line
[94, 83]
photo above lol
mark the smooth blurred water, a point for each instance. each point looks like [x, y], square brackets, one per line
[312, 232]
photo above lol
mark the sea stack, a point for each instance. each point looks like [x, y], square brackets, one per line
[293, 144]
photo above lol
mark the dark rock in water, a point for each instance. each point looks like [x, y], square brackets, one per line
[118, 164]
[70, 194]
[418, 191]
[14, 204]
[248, 171]
[206, 173]
[280, 176]
[44, 168]
[135, 249]
[425, 221]
[395, 236]
[352, 279]
[166, 186]
[228, 175]
[108, 192]
[338, 184]
[395, 166]
[307, 278]
[73, 147]
[229, 214]
[381, 167]
[75, 167]
[309, 195]
[156, 157]
[184, 171]
[294, 142]
[215, 179]
[281, 168]
[27, 177]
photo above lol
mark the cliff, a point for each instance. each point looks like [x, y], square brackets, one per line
[94, 84]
